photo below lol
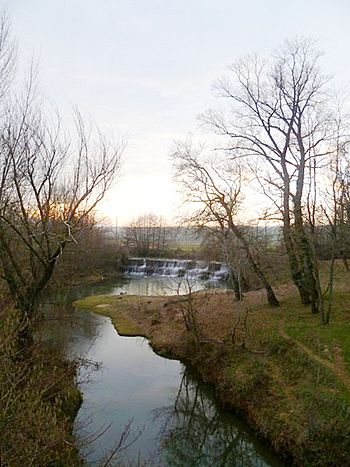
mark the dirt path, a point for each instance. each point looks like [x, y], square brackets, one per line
[338, 369]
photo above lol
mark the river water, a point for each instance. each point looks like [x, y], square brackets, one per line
[173, 418]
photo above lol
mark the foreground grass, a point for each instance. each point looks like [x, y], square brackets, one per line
[287, 374]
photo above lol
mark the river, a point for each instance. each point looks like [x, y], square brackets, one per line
[174, 419]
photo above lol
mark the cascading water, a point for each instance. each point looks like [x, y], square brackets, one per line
[212, 270]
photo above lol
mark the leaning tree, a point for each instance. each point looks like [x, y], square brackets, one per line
[214, 185]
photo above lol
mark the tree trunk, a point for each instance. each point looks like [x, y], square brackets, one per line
[307, 258]
[294, 265]
[235, 282]
[271, 297]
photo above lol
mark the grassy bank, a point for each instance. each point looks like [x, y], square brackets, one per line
[287, 374]
[106, 305]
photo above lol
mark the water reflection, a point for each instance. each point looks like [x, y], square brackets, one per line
[180, 422]
[197, 433]
[66, 327]
[153, 285]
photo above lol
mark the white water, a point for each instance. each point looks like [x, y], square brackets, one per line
[202, 270]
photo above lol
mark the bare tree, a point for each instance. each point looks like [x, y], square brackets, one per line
[336, 209]
[48, 190]
[341, 202]
[216, 188]
[49, 185]
[223, 246]
[7, 56]
[280, 118]
[148, 234]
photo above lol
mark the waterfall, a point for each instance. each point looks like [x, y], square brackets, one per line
[207, 270]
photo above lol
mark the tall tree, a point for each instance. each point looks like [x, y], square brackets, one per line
[280, 119]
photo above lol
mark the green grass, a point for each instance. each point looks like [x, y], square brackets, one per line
[112, 306]
[284, 387]
[322, 339]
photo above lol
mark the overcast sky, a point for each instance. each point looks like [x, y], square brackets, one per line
[145, 68]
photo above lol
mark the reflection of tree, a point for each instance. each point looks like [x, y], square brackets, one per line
[196, 433]
[62, 326]
[57, 306]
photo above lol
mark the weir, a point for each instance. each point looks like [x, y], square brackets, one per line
[204, 270]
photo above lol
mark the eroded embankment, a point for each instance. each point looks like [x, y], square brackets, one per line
[280, 369]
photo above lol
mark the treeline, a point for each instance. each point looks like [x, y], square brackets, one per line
[149, 235]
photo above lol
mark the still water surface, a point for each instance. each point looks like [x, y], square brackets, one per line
[174, 418]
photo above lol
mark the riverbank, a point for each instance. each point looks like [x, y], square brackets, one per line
[283, 371]
[39, 401]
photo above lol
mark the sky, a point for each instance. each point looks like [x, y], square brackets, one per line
[144, 69]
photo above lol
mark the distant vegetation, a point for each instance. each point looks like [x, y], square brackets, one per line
[149, 235]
